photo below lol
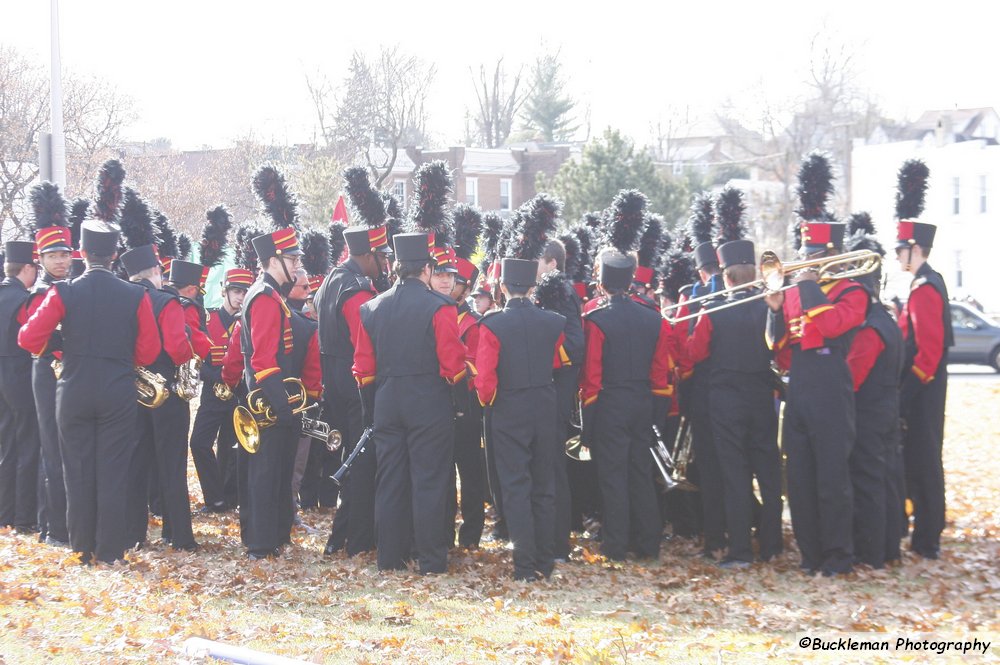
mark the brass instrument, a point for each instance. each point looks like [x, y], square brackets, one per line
[682, 456]
[152, 388]
[257, 414]
[187, 383]
[663, 459]
[773, 272]
[222, 391]
[57, 368]
[575, 450]
[319, 430]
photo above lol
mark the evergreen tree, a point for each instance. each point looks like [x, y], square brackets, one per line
[548, 110]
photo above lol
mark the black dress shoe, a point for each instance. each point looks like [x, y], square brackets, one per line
[187, 547]
[261, 555]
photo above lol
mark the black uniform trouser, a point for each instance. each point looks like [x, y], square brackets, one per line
[524, 430]
[877, 422]
[922, 443]
[414, 445]
[216, 471]
[745, 431]
[566, 399]
[18, 445]
[266, 514]
[163, 436]
[471, 472]
[817, 436]
[353, 525]
[98, 429]
[620, 446]
[712, 490]
[43, 383]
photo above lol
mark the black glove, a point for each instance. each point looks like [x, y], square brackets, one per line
[588, 417]
[367, 405]
[274, 392]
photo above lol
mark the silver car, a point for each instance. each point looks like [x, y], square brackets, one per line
[977, 337]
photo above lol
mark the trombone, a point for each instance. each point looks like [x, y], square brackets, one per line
[773, 272]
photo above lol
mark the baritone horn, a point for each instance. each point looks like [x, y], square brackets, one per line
[773, 272]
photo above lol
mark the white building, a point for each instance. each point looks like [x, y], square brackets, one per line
[963, 196]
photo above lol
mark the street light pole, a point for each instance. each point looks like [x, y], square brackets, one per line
[58, 143]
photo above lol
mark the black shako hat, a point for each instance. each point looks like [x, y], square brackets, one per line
[139, 259]
[19, 251]
[186, 273]
[98, 237]
[518, 272]
[411, 247]
[735, 253]
[616, 271]
[704, 255]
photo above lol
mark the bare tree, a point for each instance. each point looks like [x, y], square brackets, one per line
[379, 111]
[498, 101]
[94, 114]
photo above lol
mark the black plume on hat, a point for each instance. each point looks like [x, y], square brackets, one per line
[540, 216]
[588, 250]
[77, 214]
[184, 247]
[245, 254]
[730, 210]
[214, 236]
[651, 243]
[109, 190]
[280, 203]
[393, 215]
[337, 241]
[678, 271]
[137, 221]
[572, 246]
[592, 220]
[911, 189]
[701, 220]
[625, 219]
[48, 206]
[492, 228]
[430, 212]
[553, 291]
[364, 198]
[815, 187]
[860, 222]
[468, 226]
[509, 234]
[316, 252]
[168, 247]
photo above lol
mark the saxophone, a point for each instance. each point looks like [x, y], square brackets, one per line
[152, 388]
[187, 383]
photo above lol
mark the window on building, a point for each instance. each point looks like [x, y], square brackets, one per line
[399, 191]
[982, 193]
[955, 186]
[472, 191]
[506, 194]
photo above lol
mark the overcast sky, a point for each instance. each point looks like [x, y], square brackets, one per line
[207, 72]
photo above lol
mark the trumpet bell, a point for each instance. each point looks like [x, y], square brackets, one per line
[222, 391]
[247, 430]
[334, 440]
[576, 451]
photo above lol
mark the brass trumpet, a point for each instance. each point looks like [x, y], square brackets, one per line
[152, 388]
[840, 266]
[319, 430]
[257, 414]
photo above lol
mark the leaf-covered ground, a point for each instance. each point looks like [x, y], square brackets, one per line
[342, 610]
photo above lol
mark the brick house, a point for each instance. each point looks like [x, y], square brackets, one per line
[498, 179]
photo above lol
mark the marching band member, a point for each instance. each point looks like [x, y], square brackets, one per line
[108, 328]
[741, 396]
[55, 246]
[926, 325]
[814, 324]
[408, 355]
